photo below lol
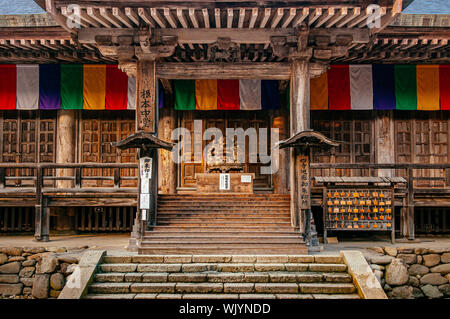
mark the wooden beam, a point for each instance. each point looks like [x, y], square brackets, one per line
[206, 36]
[312, 18]
[129, 12]
[253, 18]
[169, 18]
[353, 14]
[118, 14]
[298, 21]
[327, 16]
[108, 16]
[290, 17]
[155, 15]
[206, 70]
[241, 18]
[266, 17]
[206, 18]
[143, 13]
[230, 15]
[217, 17]
[34, 33]
[276, 19]
[193, 18]
[337, 17]
[92, 12]
[51, 9]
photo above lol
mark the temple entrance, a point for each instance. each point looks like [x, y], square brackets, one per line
[223, 120]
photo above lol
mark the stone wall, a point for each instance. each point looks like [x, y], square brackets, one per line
[37, 272]
[409, 273]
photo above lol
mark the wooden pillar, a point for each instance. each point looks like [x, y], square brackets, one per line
[66, 144]
[384, 137]
[299, 121]
[281, 178]
[146, 118]
[167, 169]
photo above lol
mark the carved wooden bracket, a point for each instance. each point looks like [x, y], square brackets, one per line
[223, 50]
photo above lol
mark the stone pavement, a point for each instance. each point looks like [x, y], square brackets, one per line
[118, 242]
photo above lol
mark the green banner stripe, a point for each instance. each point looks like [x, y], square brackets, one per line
[72, 86]
[184, 95]
[405, 87]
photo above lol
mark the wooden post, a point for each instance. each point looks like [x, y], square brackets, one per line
[280, 179]
[167, 168]
[65, 145]
[299, 121]
[410, 216]
[42, 214]
[384, 137]
[146, 115]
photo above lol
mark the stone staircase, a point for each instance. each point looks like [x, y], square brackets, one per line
[222, 277]
[231, 224]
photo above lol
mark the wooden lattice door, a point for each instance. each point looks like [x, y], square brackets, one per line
[354, 133]
[97, 133]
[27, 137]
[422, 138]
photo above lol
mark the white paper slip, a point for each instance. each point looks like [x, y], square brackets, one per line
[246, 178]
[145, 186]
[144, 203]
[145, 167]
[224, 182]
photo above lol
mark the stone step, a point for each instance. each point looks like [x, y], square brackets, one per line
[217, 237]
[206, 234]
[224, 277]
[175, 213]
[221, 296]
[221, 267]
[209, 228]
[223, 258]
[241, 249]
[208, 241]
[206, 288]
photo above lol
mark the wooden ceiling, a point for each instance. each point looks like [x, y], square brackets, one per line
[41, 41]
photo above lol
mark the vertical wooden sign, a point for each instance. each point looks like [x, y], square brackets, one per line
[304, 181]
[146, 99]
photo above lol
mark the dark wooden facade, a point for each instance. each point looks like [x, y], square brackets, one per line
[281, 40]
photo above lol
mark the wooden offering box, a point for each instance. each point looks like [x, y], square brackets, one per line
[239, 183]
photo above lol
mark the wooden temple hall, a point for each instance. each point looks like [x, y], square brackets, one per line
[352, 97]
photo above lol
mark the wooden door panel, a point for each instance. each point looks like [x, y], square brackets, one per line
[97, 132]
[223, 120]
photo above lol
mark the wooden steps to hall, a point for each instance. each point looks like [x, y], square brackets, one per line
[232, 224]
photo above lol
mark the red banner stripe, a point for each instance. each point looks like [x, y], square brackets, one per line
[444, 86]
[8, 87]
[228, 94]
[339, 87]
[116, 88]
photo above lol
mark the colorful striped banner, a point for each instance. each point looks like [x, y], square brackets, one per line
[27, 87]
[383, 87]
[8, 87]
[319, 92]
[206, 94]
[361, 87]
[339, 87]
[444, 86]
[116, 96]
[184, 95]
[342, 87]
[250, 94]
[49, 86]
[72, 86]
[428, 87]
[227, 94]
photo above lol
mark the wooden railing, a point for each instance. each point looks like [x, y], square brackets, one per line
[45, 174]
[39, 181]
